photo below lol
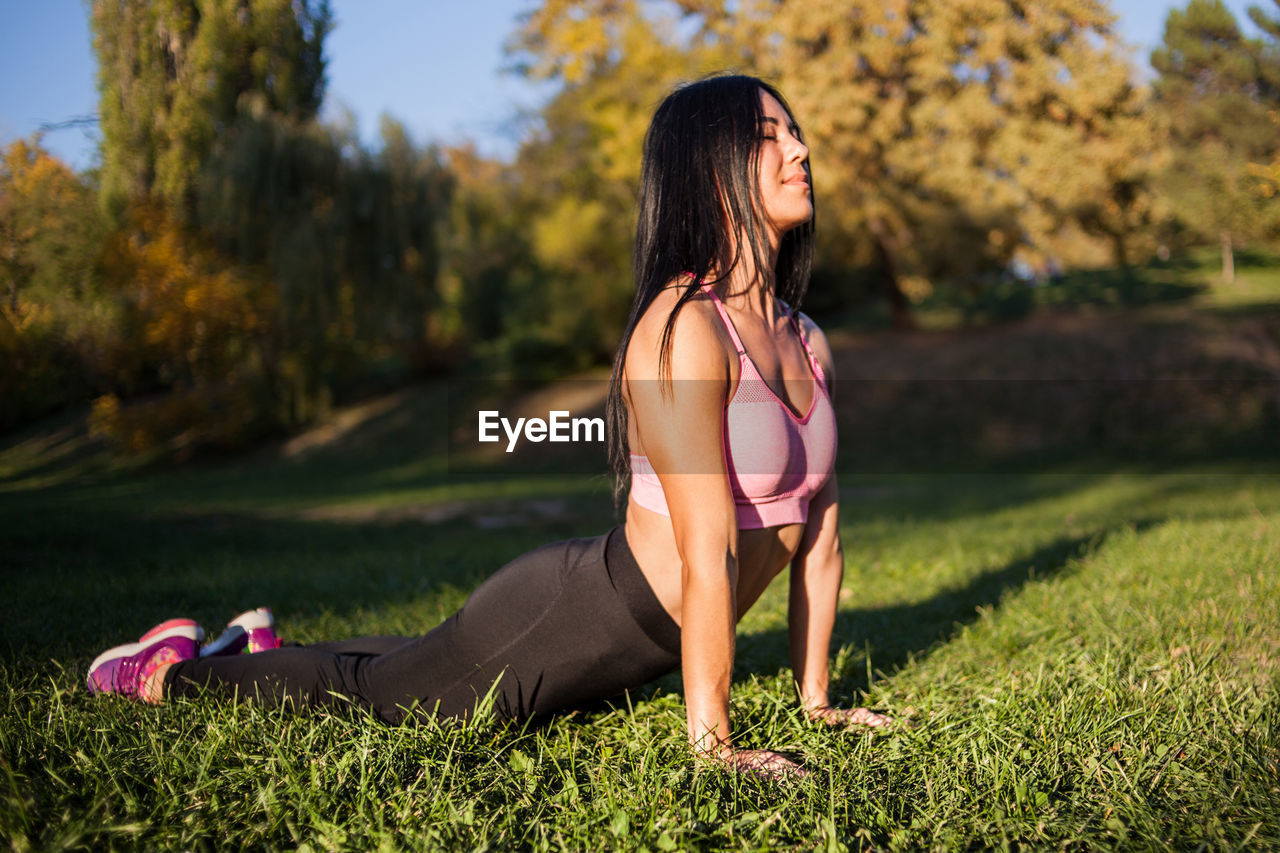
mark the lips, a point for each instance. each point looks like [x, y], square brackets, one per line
[797, 179]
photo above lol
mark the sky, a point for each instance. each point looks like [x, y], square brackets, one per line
[436, 65]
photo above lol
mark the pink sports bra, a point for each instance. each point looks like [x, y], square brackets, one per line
[776, 461]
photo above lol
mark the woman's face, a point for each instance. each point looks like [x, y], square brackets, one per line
[784, 170]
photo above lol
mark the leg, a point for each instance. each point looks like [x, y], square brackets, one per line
[549, 628]
[362, 645]
[153, 690]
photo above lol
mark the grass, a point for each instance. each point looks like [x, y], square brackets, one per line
[1085, 657]
[1192, 280]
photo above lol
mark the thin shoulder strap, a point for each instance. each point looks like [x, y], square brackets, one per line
[724, 315]
[813, 359]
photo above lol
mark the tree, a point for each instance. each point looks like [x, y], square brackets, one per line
[1268, 174]
[580, 168]
[1218, 92]
[48, 228]
[173, 75]
[954, 136]
[949, 136]
[348, 241]
[53, 320]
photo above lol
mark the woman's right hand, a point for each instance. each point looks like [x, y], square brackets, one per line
[763, 764]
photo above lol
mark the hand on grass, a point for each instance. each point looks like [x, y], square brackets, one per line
[846, 717]
[763, 764]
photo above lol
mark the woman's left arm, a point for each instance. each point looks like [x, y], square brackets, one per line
[816, 573]
[817, 568]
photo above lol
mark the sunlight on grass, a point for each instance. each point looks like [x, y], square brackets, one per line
[1080, 657]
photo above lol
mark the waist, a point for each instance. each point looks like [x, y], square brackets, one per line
[628, 578]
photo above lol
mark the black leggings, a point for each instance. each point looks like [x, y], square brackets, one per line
[562, 625]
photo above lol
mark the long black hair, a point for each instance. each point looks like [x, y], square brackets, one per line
[698, 192]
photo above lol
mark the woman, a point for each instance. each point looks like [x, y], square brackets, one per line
[719, 410]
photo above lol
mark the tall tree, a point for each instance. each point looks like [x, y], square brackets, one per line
[954, 135]
[1268, 174]
[949, 136]
[348, 239]
[174, 74]
[1217, 91]
[579, 169]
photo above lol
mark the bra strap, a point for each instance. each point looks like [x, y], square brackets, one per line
[813, 359]
[724, 315]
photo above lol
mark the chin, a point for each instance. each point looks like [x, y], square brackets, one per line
[799, 220]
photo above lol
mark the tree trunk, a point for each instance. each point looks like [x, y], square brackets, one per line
[1119, 251]
[1228, 259]
[899, 306]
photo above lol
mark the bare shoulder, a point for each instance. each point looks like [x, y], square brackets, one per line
[698, 339]
[817, 342]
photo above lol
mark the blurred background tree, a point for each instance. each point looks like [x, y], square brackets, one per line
[213, 160]
[236, 266]
[580, 166]
[955, 138]
[54, 326]
[950, 139]
[173, 75]
[1219, 92]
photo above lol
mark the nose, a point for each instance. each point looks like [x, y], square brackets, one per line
[798, 150]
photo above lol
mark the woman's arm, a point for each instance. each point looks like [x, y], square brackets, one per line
[680, 428]
[817, 570]
[816, 573]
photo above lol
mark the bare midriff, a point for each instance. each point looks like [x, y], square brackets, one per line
[762, 554]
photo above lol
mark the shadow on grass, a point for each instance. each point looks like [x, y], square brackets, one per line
[895, 634]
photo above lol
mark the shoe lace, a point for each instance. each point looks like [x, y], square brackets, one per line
[127, 676]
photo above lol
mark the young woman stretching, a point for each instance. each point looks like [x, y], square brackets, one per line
[719, 411]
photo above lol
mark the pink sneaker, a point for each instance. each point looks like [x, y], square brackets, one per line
[251, 631]
[125, 669]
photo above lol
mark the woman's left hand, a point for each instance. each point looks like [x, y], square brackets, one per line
[846, 717]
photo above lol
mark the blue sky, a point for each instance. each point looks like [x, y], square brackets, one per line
[434, 64]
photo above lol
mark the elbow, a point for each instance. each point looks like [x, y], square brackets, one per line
[710, 572]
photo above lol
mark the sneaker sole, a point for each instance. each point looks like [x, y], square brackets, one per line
[155, 635]
[252, 620]
[170, 624]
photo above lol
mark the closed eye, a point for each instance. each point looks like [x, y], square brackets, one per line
[769, 125]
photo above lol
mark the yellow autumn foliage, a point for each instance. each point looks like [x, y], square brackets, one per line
[195, 320]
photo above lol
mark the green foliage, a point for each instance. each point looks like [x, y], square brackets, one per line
[265, 265]
[1219, 94]
[54, 321]
[487, 261]
[349, 240]
[579, 169]
[173, 76]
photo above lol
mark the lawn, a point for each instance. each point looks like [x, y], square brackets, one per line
[1082, 654]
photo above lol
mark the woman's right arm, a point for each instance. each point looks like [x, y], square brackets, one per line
[679, 427]
[681, 432]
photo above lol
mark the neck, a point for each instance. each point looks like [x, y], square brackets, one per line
[748, 287]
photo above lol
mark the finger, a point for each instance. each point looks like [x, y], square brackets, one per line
[867, 717]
